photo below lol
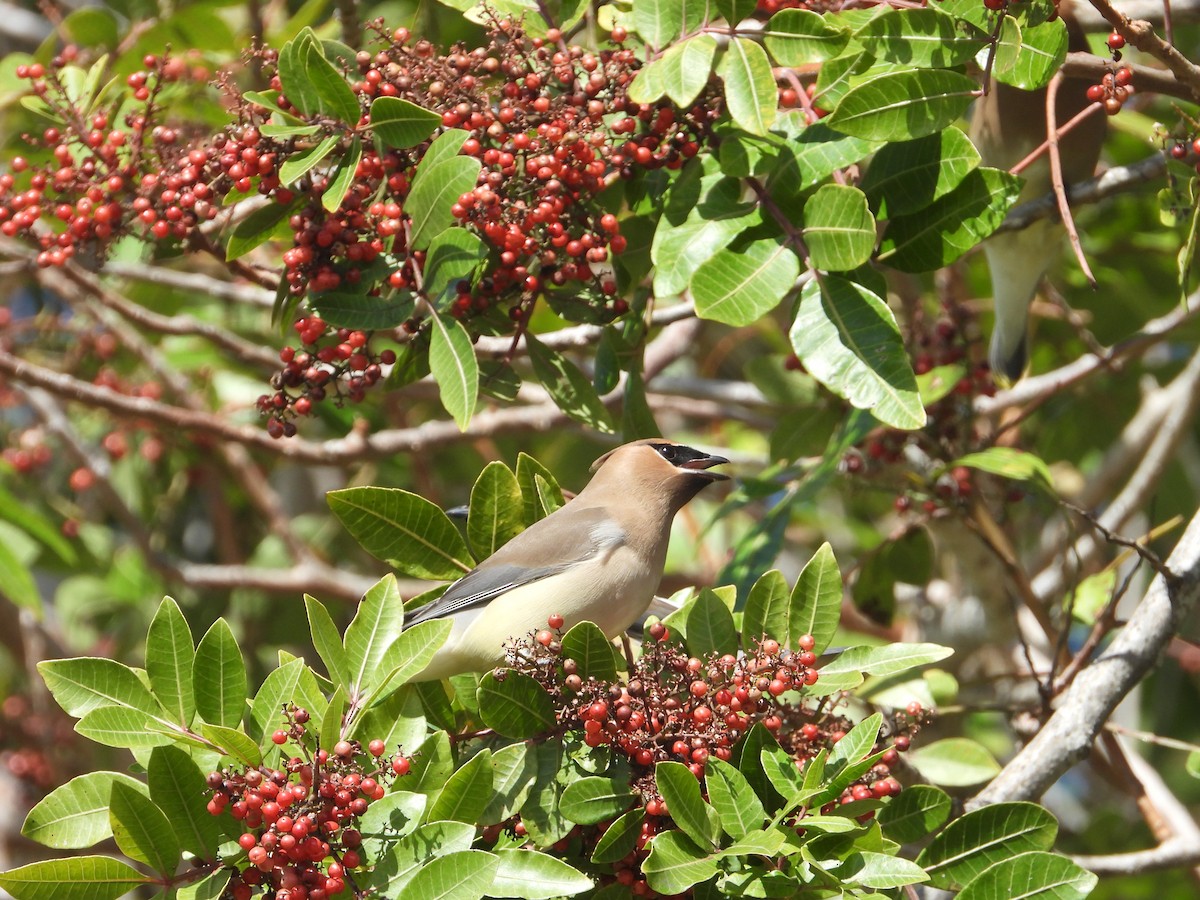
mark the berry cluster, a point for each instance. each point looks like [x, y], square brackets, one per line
[36, 745]
[1114, 89]
[300, 841]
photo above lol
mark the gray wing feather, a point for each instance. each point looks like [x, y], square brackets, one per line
[583, 534]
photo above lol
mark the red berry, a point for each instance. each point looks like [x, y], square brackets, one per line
[555, 621]
[279, 737]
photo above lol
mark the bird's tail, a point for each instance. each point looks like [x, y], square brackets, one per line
[1017, 260]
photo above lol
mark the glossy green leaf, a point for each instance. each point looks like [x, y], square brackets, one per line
[710, 627]
[908, 176]
[454, 367]
[571, 390]
[467, 792]
[922, 38]
[514, 704]
[75, 815]
[766, 612]
[734, 11]
[536, 507]
[848, 339]
[170, 655]
[1040, 54]
[648, 84]
[400, 123]
[954, 762]
[514, 770]
[122, 726]
[883, 871]
[175, 784]
[495, 516]
[142, 830]
[465, 875]
[955, 223]
[432, 764]
[219, 676]
[300, 164]
[750, 92]
[453, 256]
[403, 859]
[686, 68]
[530, 875]
[435, 189]
[592, 651]
[257, 228]
[349, 309]
[83, 684]
[675, 863]
[370, 637]
[969, 845]
[902, 105]
[799, 37]
[292, 682]
[816, 602]
[738, 287]
[1034, 875]
[236, 744]
[594, 799]
[211, 887]
[343, 177]
[327, 640]
[889, 659]
[731, 795]
[1008, 462]
[659, 22]
[333, 95]
[681, 790]
[919, 810]
[404, 529]
[620, 838]
[77, 878]
[387, 820]
[839, 229]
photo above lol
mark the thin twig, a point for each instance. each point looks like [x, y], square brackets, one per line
[1056, 176]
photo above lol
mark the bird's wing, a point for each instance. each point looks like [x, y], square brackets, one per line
[565, 539]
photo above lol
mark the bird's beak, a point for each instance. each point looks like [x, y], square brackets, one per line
[707, 462]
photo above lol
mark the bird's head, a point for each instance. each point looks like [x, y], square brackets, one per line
[658, 467]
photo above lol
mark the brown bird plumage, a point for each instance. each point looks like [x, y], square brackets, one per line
[1007, 125]
[599, 558]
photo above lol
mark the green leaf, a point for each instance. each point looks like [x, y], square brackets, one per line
[969, 845]
[142, 830]
[432, 764]
[402, 124]
[882, 871]
[38, 527]
[92, 27]
[1042, 51]
[658, 21]
[681, 789]
[1008, 462]
[177, 786]
[78, 878]
[528, 471]
[818, 151]
[302, 163]
[514, 770]
[1032, 876]
[799, 37]
[571, 390]
[648, 85]
[219, 676]
[734, 11]
[121, 726]
[465, 875]
[292, 682]
[921, 38]
[467, 791]
[592, 651]
[211, 887]
[739, 287]
[409, 654]
[75, 815]
[686, 68]
[675, 864]
[453, 256]
[495, 511]
[710, 627]
[955, 223]
[731, 795]
[83, 684]
[514, 704]
[750, 91]
[455, 369]
[234, 743]
[387, 820]
[620, 838]
[286, 131]
[902, 105]
[343, 177]
[908, 176]
[257, 228]
[403, 859]
[326, 640]
[435, 189]
[816, 602]
[856, 744]
[350, 309]
[890, 659]
[371, 636]
[170, 656]
[333, 95]
[766, 613]
[848, 340]
[839, 229]
[918, 810]
[405, 530]
[954, 762]
[535, 876]
[594, 799]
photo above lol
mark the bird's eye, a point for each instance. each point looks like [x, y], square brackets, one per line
[667, 451]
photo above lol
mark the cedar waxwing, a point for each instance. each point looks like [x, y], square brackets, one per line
[1008, 124]
[598, 558]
